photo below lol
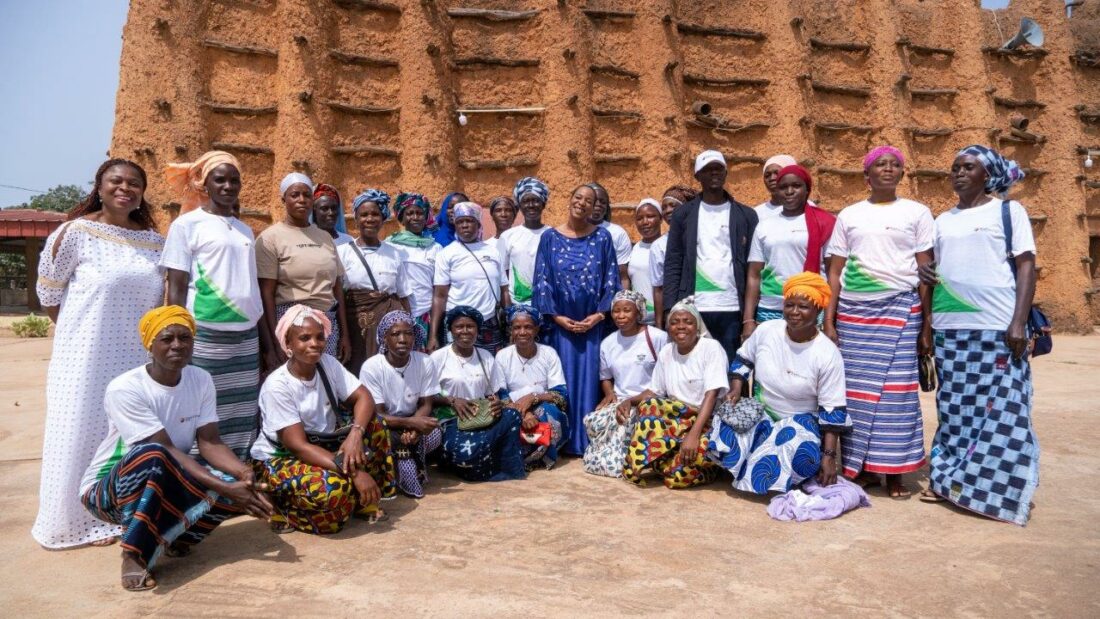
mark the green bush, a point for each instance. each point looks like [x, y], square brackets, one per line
[31, 326]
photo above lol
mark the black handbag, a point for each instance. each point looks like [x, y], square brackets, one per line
[329, 441]
[1038, 325]
[500, 315]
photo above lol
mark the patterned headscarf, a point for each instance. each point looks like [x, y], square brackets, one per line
[1003, 173]
[325, 190]
[405, 200]
[296, 316]
[530, 184]
[445, 232]
[688, 305]
[379, 197]
[292, 179]
[522, 309]
[780, 160]
[187, 179]
[679, 193]
[810, 285]
[462, 311]
[631, 296]
[397, 317]
[501, 200]
[468, 209]
[157, 319]
[877, 152]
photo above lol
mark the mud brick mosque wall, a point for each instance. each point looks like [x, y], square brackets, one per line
[364, 93]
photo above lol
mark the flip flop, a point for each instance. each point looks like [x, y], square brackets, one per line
[281, 528]
[899, 493]
[107, 541]
[143, 584]
[373, 516]
[927, 496]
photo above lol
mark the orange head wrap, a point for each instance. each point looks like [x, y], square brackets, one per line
[809, 285]
[187, 179]
[157, 319]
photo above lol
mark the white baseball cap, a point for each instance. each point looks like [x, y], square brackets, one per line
[709, 156]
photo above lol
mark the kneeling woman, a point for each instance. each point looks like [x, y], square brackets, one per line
[627, 358]
[674, 414]
[799, 379]
[468, 377]
[402, 382]
[141, 476]
[318, 483]
[535, 387]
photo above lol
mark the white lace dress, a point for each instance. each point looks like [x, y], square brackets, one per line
[104, 278]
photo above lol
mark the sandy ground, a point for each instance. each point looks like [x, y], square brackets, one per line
[564, 543]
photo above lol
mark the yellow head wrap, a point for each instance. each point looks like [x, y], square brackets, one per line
[809, 285]
[155, 320]
[188, 179]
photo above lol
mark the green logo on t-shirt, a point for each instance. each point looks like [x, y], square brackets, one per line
[211, 304]
[770, 285]
[857, 279]
[521, 290]
[945, 301]
[704, 283]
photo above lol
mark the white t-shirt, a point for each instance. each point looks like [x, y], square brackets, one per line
[638, 270]
[465, 377]
[420, 271]
[621, 239]
[342, 238]
[518, 247]
[399, 388]
[385, 263]
[764, 210]
[688, 378]
[535, 375]
[286, 400]
[976, 289]
[629, 361]
[138, 407]
[880, 243]
[715, 287]
[657, 261]
[794, 378]
[458, 268]
[780, 243]
[220, 255]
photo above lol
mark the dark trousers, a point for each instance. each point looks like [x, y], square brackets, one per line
[726, 328]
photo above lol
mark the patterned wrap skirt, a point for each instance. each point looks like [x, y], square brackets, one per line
[878, 341]
[489, 454]
[774, 456]
[661, 427]
[332, 343]
[607, 440]
[233, 360]
[316, 500]
[985, 456]
[412, 460]
[555, 415]
[156, 502]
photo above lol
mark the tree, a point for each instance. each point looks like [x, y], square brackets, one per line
[60, 199]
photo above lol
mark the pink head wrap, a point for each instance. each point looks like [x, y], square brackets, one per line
[296, 316]
[187, 179]
[879, 151]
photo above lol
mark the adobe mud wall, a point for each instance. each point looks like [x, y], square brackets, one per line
[364, 93]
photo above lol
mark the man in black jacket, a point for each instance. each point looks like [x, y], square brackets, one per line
[708, 248]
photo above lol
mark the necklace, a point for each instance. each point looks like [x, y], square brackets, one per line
[223, 218]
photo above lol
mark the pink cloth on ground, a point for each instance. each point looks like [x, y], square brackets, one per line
[816, 502]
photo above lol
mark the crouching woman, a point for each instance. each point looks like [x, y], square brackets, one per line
[141, 476]
[319, 478]
[792, 430]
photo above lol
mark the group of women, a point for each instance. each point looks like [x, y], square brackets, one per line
[305, 375]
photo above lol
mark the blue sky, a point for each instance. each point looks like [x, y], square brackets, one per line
[59, 97]
[61, 74]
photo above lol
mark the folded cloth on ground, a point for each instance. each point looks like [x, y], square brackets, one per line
[816, 502]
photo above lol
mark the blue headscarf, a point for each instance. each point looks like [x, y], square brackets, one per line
[530, 184]
[1003, 173]
[445, 233]
[324, 189]
[521, 309]
[379, 197]
[462, 311]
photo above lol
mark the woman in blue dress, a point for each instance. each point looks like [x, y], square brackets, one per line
[576, 278]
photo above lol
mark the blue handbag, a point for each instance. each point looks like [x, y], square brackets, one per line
[1038, 325]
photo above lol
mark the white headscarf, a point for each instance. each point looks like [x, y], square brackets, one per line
[293, 179]
[688, 305]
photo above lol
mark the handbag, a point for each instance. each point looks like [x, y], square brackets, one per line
[499, 315]
[540, 436]
[329, 441]
[649, 341]
[926, 373]
[742, 416]
[1038, 325]
[484, 417]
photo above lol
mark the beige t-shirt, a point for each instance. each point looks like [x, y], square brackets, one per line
[303, 261]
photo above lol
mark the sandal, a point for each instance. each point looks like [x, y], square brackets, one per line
[897, 490]
[177, 550]
[281, 527]
[927, 496]
[145, 581]
[867, 480]
[107, 541]
[372, 515]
